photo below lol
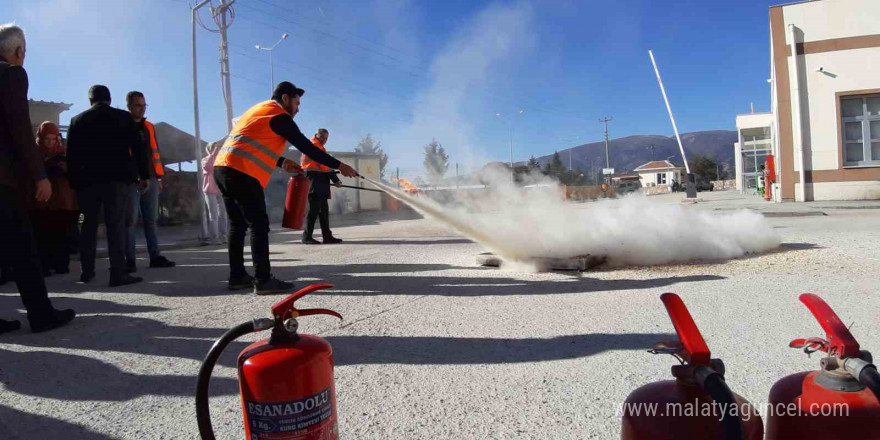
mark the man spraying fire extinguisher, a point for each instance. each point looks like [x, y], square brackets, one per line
[252, 151]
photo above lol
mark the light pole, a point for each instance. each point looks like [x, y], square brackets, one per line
[197, 135]
[271, 67]
[510, 138]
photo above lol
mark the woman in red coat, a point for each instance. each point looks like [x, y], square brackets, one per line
[53, 219]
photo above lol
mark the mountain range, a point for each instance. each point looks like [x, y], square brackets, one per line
[630, 152]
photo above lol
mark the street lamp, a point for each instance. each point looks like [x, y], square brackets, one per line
[271, 67]
[510, 138]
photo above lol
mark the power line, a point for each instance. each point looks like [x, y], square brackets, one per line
[293, 20]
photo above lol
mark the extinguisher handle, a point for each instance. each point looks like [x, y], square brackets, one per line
[840, 342]
[694, 349]
[286, 307]
[311, 312]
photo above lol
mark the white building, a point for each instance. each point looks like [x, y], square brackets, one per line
[659, 173]
[348, 199]
[755, 133]
[825, 128]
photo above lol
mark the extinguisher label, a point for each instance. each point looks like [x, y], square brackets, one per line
[311, 418]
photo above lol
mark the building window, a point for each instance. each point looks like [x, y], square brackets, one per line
[661, 178]
[860, 119]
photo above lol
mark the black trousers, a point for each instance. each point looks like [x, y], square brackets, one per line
[246, 208]
[114, 199]
[52, 230]
[319, 209]
[18, 252]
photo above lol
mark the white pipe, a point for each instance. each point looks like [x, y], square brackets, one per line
[669, 109]
[796, 113]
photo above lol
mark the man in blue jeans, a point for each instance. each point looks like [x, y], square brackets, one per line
[147, 203]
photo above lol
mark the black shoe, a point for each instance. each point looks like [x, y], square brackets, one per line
[56, 319]
[310, 240]
[332, 240]
[9, 326]
[160, 262]
[272, 286]
[62, 270]
[245, 282]
[131, 267]
[85, 277]
[123, 280]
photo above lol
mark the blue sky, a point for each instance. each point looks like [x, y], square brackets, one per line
[407, 71]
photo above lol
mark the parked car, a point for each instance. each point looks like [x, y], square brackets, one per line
[628, 186]
[702, 183]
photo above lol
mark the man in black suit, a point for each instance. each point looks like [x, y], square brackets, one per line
[105, 159]
[320, 178]
[22, 181]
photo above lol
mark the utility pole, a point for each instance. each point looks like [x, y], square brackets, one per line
[456, 175]
[225, 82]
[652, 147]
[605, 121]
[197, 138]
[607, 159]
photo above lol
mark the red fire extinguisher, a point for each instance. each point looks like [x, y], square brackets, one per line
[697, 404]
[286, 381]
[838, 401]
[295, 202]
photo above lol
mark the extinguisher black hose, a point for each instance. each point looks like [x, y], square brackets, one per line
[713, 383]
[203, 414]
[870, 378]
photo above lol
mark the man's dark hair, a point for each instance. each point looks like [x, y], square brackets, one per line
[131, 95]
[99, 93]
[286, 88]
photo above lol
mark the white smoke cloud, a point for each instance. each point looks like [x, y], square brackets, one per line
[481, 50]
[523, 223]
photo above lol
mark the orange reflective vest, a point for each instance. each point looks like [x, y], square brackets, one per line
[310, 165]
[155, 158]
[252, 147]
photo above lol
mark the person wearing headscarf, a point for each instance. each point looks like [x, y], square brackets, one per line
[53, 218]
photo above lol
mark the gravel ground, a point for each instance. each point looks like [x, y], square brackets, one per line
[433, 346]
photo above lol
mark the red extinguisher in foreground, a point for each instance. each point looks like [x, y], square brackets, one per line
[295, 202]
[697, 404]
[838, 401]
[286, 381]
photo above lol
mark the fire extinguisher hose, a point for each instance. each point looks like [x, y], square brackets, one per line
[203, 415]
[713, 383]
[870, 378]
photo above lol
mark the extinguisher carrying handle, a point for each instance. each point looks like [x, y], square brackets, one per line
[840, 342]
[694, 350]
[286, 308]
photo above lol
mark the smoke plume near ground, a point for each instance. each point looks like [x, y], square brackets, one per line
[520, 223]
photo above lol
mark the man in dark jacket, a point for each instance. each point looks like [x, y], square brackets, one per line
[319, 177]
[106, 160]
[21, 168]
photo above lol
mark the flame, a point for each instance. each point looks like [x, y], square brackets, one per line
[406, 185]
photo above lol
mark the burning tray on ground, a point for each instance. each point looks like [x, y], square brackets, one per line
[579, 262]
